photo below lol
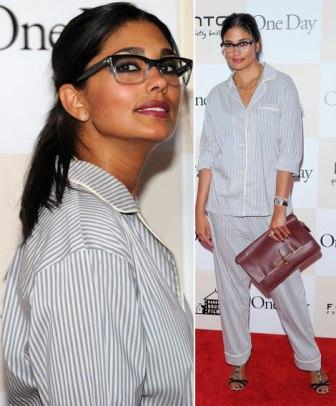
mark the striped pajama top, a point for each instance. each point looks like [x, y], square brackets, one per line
[92, 311]
[245, 146]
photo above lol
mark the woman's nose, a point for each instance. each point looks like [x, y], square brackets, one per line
[155, 81]
[236, 50]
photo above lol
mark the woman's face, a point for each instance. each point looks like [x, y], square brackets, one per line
[240, 57]
[115, 110]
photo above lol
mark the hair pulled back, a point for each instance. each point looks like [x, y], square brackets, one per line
[80, 41]
[245, 21]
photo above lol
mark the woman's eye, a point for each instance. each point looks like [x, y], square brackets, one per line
[242, 44]
[126, 67]
[169, 69]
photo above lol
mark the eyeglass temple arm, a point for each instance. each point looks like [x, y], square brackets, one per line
[184, 69]
[93, 69]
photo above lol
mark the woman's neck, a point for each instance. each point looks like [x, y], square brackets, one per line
[123, 159]
[249, 73]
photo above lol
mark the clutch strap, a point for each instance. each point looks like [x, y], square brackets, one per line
[285, 258]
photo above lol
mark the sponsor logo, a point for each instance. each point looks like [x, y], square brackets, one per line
[289, 22]
[330, 309]
[200, 101]
[328, 240]
[32, 36]
[259, 302]
[333, 181]
[210, 305]
[210, 25]
[330, 98]
[305, 174]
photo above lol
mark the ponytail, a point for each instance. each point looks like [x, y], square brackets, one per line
[49, 167]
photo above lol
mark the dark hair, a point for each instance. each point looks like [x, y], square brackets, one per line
[244, 21]
[80, 41]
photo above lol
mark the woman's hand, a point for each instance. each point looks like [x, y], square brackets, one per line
[203, 232]
[278, 229]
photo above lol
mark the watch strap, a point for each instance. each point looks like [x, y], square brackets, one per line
[280, 201]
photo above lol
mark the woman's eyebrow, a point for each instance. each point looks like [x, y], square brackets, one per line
[240, 40]
[167, 51]
[132, 50]
[141, 51]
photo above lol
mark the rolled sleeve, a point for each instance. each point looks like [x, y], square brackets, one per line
[87, 342]
[290, 132]
[208, 145]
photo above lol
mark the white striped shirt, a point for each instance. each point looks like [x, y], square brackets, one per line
[92, 313]
[244, 147]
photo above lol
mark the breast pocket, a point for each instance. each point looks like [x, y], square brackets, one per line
[266, 129]
[267, 120]
[269, 108]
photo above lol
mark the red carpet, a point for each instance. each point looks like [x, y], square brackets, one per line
[273, 379]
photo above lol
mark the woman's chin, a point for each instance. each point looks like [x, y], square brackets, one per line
[238, 65]
[161, 137]
[159, 134]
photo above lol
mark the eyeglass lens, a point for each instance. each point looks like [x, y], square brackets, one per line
[131, 69]
[242, 46]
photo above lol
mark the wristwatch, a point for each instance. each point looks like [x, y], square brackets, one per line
[279, 201]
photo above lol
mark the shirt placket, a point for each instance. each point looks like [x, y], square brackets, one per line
[243, 146]
[241, 154]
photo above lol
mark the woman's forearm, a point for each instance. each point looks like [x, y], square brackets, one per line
[284, 183]
[204, 180]
[278, 228]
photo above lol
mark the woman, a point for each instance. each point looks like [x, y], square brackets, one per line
[94, 314]
[251, 145]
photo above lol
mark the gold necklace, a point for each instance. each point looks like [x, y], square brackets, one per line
[248, 85]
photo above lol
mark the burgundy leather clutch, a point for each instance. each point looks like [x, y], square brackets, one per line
[269, 262]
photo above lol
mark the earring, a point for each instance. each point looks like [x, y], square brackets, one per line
[83, 117]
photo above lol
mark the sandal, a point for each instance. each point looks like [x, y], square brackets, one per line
[236, 379]
[320, 383]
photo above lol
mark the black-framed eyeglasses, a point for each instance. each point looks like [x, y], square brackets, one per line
[133, 69]
[242, 45]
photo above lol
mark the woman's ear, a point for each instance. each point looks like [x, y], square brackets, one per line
[73, 102]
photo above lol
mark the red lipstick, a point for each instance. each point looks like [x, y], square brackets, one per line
[237, 60]
[154, 108]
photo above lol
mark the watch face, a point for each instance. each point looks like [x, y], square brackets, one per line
[280, 202]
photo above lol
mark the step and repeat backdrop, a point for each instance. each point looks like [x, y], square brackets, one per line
[28, 31]
[299, 39]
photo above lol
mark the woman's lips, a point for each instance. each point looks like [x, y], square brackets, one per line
[154, 108]
[240, 60]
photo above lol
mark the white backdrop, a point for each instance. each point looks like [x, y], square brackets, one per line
[27, 31]
[299, 39]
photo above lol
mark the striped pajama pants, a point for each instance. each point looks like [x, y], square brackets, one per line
[231, 235]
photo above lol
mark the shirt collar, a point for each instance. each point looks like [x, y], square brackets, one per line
[100, 183]
[269, 73]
